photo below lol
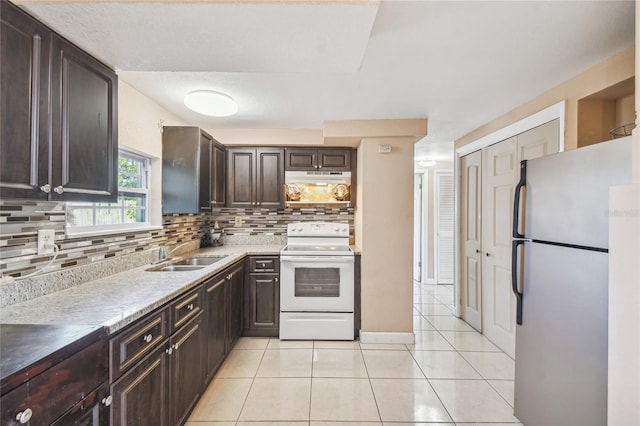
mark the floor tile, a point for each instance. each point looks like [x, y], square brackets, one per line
[489, 424]
[252, 343]
[472, 401]
[281, 399]
[505, 388]
[210, 423]
[408, 400]
[338, 363]
[417, 424]
[286, 363]
[222, 400]
[433, 309]
[336, 344]
[346, 423]
[270, 423]
[445, 299]
[444, 365]
[421, 323]
[491, 365]
[275, 343]
[463, 341]
[241, 363]
[430, 341]
[343, 400]
[448, 323]
[391, 364]
[383, 346]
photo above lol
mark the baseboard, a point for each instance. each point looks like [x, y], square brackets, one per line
[387, 337]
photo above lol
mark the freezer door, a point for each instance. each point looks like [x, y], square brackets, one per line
[561, 346]
[567, 194]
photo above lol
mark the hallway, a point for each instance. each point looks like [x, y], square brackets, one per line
[451, 375]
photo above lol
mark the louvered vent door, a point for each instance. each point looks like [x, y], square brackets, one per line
[444, 222]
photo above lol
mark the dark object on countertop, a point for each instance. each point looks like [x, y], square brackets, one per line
[205, 240]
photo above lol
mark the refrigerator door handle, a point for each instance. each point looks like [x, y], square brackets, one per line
[522, 183]
[514, 278]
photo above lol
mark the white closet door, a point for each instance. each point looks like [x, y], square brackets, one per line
[417, 227]
[470, 238]
[444, 222]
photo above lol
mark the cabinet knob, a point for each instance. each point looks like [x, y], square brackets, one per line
[477, 251]
[175, 347]
[488, 254]
[24, 416]
[275, 280]
[58, 189]
[148, 338]
[190, 306]
[45, 188]
[107, 401]
[320, 166]
[170, 350]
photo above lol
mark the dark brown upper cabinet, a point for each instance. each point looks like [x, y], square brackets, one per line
[255, 177]
[193, 171]
[318, 159]
[58, 133]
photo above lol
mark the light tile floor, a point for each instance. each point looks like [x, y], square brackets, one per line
[452, 375]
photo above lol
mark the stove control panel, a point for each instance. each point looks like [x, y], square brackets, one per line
[318, 229]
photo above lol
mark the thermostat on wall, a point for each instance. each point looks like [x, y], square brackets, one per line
[384, 149]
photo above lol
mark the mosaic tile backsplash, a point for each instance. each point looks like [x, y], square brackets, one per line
[21, 219]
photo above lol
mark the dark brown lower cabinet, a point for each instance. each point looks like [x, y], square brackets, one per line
[93, 410]
[186, 365]
[262, 297]
[235, 284]
[215, 323]
[141, 395]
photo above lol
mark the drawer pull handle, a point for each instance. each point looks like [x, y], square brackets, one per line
[24, 416]
[45, 188]
[148, 338]
[58, 189]
[107, 401]
[190, 306]
[175, 347]
[170, 350]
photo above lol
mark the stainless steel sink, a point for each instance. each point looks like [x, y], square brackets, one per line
[175, 268]
[200, 260]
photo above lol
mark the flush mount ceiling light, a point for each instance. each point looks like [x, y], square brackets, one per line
[208, 102]
[427, 163]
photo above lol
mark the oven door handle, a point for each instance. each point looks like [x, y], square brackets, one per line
[317, 259]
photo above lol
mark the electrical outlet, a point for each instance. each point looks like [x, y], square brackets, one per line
[237, 221]
[45, 236]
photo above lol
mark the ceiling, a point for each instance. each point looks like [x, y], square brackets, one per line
[294, 64]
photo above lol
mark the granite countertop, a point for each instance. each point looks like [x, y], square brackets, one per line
[117, 300]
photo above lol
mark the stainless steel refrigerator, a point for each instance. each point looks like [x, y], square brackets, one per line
[560, 279]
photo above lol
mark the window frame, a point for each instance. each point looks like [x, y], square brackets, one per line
[122, 227]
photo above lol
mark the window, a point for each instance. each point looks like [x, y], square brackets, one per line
[130, 211]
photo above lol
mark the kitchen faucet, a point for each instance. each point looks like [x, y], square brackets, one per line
[163, 254]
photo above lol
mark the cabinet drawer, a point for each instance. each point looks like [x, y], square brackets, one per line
[138, 340]
[264, 264]
[50, 394]
[186, 307]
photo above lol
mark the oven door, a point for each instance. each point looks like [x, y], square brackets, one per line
[316, 283]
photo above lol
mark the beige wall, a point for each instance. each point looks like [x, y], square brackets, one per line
[139, 123]
[617, 68]
[384, 233]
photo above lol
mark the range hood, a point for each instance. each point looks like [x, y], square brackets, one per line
[295, 177]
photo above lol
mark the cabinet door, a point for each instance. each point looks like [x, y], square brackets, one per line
[270, 177]
[93, 410]
[205, 192]
[301, 159]
[241, 179]
[218, 174]
[84, 117]
[216, 324]
[187, 370]
[334, 159]
[263, 305]
[25, 48]
[141, 395]
[233, 297]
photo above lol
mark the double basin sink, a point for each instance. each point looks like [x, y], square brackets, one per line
[188, 264]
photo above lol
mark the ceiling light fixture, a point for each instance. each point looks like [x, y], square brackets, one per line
[427, 163]
[208, 102]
